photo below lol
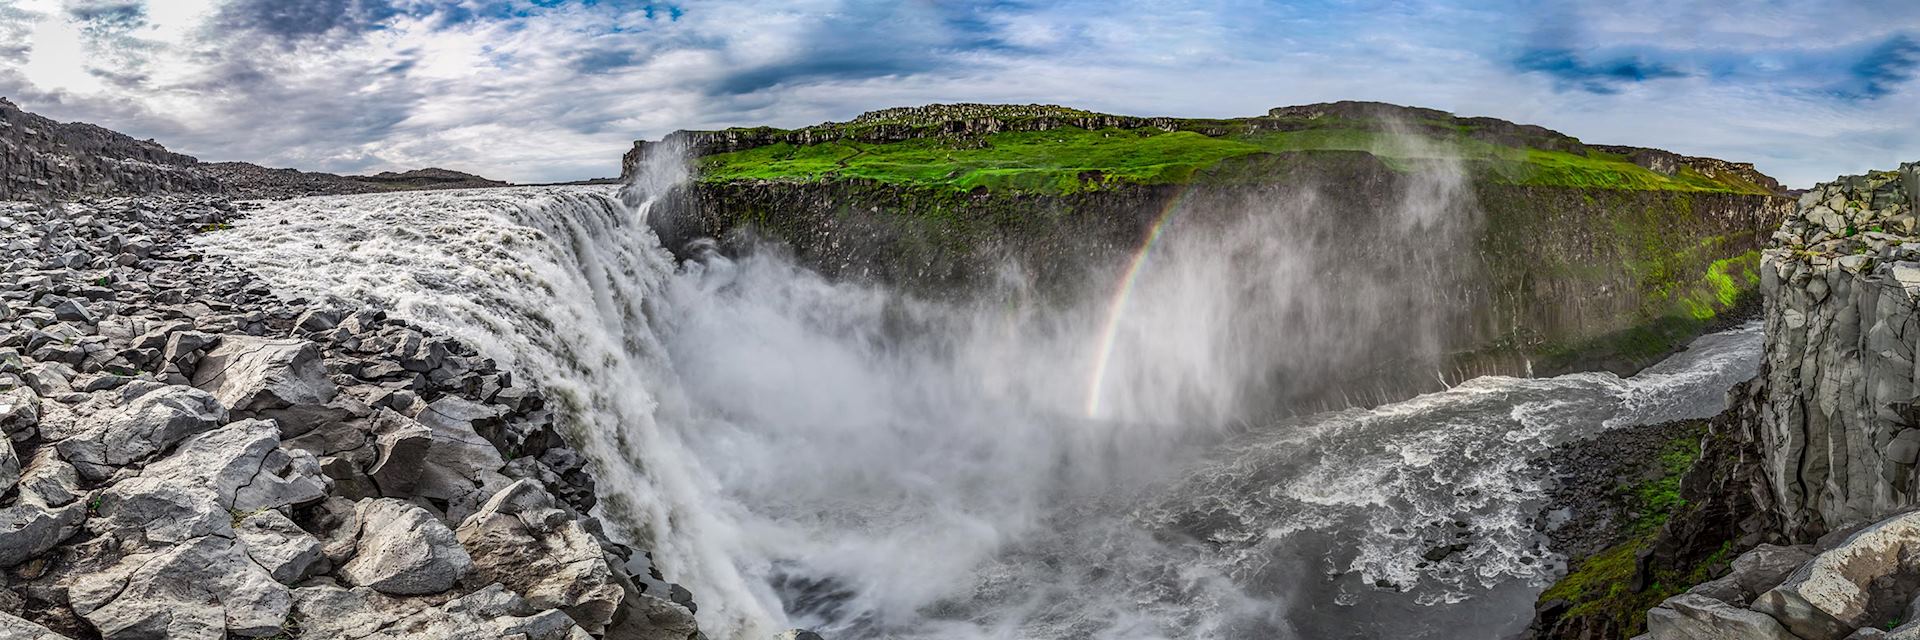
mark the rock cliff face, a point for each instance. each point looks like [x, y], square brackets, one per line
[1607, 257]
[40, 159]
[1841, 432]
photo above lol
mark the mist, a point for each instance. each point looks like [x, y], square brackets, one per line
[1116, 462]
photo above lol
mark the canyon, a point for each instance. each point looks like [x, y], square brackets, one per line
[962, 371]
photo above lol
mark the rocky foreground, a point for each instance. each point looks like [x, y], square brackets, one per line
[189, 457]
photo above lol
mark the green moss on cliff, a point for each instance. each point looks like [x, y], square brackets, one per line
[1600, 589]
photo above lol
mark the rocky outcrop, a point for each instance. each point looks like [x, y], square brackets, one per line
[1859, 585]
[189, 457]
[1841, 433]
[43, 159]
[254, 182]
[1836, 435]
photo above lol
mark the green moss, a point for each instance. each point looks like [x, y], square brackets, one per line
[1600, 587]
[1658, 498]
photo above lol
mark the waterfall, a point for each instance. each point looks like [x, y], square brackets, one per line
[803, 452]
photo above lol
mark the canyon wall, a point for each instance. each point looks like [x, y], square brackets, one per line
[1841, 278]
[1576, 257]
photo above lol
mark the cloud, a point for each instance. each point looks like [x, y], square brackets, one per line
[1880, 72]
[542, 90]
[1602, 74]
[303, 18]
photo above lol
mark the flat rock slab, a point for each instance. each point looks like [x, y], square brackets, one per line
[1696, 617]
[1834, 593]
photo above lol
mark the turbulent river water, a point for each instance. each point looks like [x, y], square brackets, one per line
[807, 453]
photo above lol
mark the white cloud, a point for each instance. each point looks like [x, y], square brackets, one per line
[560, 93]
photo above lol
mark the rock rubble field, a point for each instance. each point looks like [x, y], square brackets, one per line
[188, 456]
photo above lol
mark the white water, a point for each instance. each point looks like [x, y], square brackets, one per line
[806, 453]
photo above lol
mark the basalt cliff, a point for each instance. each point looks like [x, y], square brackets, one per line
[1562, 255]
[1797, 520]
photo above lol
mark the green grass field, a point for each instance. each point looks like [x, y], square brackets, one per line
[1070, 159]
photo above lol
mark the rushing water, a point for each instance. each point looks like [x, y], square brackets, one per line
[807, 453]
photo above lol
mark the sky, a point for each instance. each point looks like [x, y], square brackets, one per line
[554, 90]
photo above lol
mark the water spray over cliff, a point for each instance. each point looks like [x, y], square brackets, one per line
[839, 455]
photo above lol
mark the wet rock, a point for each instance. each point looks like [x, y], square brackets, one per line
[522, 540]
[402, 549]
[798, 634]
[645, 617]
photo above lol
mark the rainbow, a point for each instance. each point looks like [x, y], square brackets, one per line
[1116, 309]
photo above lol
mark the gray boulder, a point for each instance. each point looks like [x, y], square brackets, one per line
[404, 550]
[27, 530]
[402, 445]
[15, 628]
[1834, 593]
[278, 545]
[9, 466]
[651, 618]
[245, 467]
[151, 424]
[150, 511]
[460, 467]
[492, 612]
[19, 413]
[258, 377]
[1766, 566]
[49, 481]
[70, 310]
[329, 611]
[206, 588]
[1695, 617]
[519, 539]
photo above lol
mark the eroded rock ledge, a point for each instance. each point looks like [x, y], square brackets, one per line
[188, 457]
